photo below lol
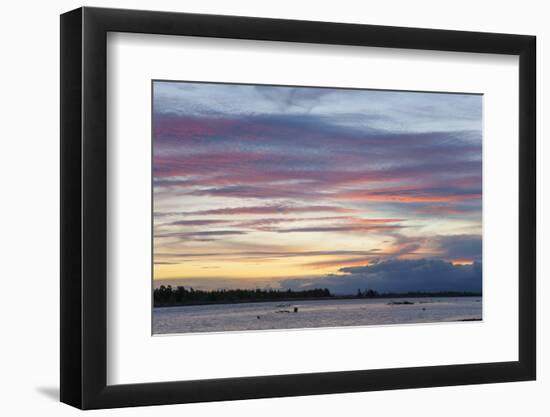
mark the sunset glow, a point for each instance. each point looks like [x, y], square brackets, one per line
[462, 262]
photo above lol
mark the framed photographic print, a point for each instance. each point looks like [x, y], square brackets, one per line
[283, 208]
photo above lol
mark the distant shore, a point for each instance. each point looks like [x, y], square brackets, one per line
[382, 296]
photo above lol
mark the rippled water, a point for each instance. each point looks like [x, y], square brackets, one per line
[320, 313]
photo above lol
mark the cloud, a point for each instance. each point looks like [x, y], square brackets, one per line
[352, 228]
[406, 245]
[267, 223]
[269, 191]
[459, 246]
[428, 275]
[307, 155]
[413, 195]
[270, 209]
[268, 254]
[204, 222]
[204, 236]
[284, 99]
[352, 261]
[444, 210]
[418, 111]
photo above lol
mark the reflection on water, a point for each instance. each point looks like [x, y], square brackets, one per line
[320, 313]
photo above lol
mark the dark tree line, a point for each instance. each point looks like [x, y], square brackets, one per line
[165, 296]
[169, 296]
[367, 294]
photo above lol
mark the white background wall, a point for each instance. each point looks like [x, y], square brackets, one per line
[29, 237]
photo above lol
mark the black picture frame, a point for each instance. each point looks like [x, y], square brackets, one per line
[84, 207]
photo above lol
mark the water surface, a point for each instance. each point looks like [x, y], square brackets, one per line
[313, 314]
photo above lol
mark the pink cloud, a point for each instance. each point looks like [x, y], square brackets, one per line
[272, 209]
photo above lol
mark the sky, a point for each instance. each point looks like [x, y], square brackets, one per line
[298, 187]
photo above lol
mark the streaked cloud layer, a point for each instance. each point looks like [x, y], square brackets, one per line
[262, 185]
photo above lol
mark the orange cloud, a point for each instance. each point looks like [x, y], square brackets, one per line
[462, 262]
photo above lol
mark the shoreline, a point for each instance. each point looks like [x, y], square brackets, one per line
[336, 297]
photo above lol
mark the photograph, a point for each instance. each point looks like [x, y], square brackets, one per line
[295, 207]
